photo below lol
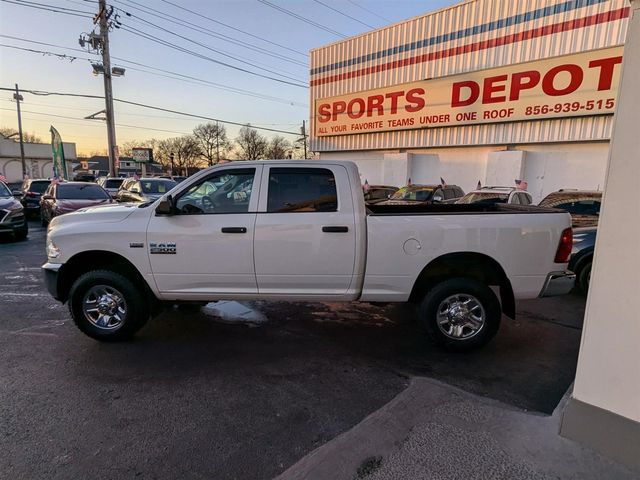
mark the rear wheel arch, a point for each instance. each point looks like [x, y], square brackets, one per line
[87, 261]
[477, 266]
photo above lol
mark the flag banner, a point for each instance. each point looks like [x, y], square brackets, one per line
[59, 164]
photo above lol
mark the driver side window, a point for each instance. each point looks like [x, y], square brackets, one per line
[228, 191]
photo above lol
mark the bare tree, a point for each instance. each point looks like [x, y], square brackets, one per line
[14, 134]
[252, 145]
[180, 153]
[278, 148]
[212, 140]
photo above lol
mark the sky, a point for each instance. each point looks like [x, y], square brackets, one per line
[280, 51]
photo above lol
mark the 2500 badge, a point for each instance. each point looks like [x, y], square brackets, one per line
[163, 248]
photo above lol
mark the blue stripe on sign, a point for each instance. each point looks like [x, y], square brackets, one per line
[467, 32]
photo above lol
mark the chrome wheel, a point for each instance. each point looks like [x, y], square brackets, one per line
[104, 307]
[460, 316]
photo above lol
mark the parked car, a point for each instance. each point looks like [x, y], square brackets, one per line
[144, 189]
[85, 177]
[66, 197]
[12, 215]
[30, 193]
[417, 194]
[582, 205]
[584, 243]
[110, 184]
[489, 195]
[378, 193]
[295, 230]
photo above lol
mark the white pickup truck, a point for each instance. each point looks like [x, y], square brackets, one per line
[300, 230]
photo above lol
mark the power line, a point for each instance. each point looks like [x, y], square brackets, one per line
[61, 56]
[89, 123]
[198, 14]
[204, 57]
[219, 52]
[43, 6]
[152, 107]
[301, 18]
[200, 29]
[370, 11]
[344, 14]
[175, 75]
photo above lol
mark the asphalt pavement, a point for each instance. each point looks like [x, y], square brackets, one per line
[235, 390]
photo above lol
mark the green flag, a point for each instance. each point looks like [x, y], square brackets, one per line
[59, 164]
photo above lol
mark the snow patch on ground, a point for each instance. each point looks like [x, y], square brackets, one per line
[235, 313]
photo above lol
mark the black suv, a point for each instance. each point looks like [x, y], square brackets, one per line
[30, 194]
[12, 218]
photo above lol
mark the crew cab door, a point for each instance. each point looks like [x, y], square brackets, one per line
[305, 240]
[206, 246]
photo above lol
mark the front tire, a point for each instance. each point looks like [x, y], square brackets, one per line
[22, 233]
[107, 306]
[460, 314]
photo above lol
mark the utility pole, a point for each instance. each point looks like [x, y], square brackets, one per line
[108, 92]
[303, 130]
[17, 97]
[217, 143]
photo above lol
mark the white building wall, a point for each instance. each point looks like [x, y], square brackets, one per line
[546, 167]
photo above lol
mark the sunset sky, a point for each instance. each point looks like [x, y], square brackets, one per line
[262, 101]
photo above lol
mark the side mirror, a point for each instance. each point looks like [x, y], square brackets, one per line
[165, 207]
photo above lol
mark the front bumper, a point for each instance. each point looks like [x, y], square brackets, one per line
[558, 283]
[50, 272]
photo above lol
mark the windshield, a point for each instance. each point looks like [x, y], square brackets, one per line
[38, 187]
[81, 192]
[113, 183]
[157, 186]
[408, 193]
[4, 191]
[484, 197]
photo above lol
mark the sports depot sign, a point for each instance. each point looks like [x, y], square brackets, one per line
[572, 85]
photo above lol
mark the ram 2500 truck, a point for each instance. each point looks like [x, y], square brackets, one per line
[300, 230]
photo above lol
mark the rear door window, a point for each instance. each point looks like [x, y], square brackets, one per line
[301, 190]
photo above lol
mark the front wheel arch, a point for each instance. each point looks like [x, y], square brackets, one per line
[86, 261]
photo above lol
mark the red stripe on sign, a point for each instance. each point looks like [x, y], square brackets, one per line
[610, 16]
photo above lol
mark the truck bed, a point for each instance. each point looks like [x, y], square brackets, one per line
[455, 209]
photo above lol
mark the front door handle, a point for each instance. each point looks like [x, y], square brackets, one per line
[335, 229]
[234, 230]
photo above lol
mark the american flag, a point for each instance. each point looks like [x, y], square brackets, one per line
[479, 186]
[366, 187]
[521, 184]
[3, 178]
[136, 176]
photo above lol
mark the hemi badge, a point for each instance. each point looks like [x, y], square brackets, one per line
[136, 245]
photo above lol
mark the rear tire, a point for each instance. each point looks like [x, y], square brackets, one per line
[584, 277]
[460, 314]
[107, 306]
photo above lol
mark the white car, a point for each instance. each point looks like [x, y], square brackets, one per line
[300, 230]
[110, 184]
[490, 195]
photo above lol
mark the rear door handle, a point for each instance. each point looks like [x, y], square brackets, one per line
[234, 230]
[335, 229]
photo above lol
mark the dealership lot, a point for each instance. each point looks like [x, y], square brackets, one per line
[235, 391]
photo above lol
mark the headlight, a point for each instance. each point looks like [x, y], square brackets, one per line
[15, 207]
[52, 250]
